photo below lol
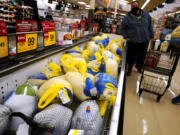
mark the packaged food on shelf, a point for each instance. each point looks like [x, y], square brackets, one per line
[56, 117]
[23, 100]
[106, 86]
[55, 90]
[5, 113]
[37, 79]
[78, 86]
[87, 118]
[53, 70]
[84, 80]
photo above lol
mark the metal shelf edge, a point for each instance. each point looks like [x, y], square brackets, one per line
[114, 124]
[9, 70]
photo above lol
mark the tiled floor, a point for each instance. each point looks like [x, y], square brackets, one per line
[144, 116]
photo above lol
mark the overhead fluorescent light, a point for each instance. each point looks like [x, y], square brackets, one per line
[123, 14]
[174, 13]
[55, 2]
[123, 2]
[82, 3]
[147, 1]
[87, 5]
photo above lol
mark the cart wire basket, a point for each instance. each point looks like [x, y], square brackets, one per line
[160, 62]
[154, 84]
[158, 70]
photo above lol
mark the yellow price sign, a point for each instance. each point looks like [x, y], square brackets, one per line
[26, 42]
[3, 46]
[49, 38]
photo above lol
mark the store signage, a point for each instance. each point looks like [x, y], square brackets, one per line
[49, 38]
[48, 26]
[3, 27]
[3, 46]
[26, 25]
[49, 33]
[26, 42]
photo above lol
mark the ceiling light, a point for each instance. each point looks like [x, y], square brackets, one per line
[123, 1]
[82, 3]
[123, 14]
[147, 1]
[55, 2]
[88, 6]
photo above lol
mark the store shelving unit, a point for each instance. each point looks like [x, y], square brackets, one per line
[13, 76]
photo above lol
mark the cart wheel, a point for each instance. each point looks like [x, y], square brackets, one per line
[158, 98]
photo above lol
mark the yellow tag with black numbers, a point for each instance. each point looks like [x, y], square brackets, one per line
[26, 42]
[49, 38]
[3, 46]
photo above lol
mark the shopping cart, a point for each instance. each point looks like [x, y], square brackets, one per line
[158, 70]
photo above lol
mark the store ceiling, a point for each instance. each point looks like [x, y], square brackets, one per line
[151, 5]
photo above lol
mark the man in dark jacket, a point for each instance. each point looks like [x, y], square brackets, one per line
[137, 30]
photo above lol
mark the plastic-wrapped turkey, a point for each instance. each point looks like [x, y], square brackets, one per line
[87, 118]
[23, 100]
[56, 117]
[5, 113]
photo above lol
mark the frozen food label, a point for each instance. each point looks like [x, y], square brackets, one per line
[64, 96]
[76, 132]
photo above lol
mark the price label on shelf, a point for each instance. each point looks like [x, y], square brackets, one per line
[26, 42]
[49, 38]
[3, 46]
[76, 132]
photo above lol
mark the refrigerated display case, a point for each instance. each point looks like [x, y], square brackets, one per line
[13, 76]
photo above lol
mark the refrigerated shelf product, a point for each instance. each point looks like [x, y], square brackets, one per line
[23, 100]
[56, 117]
[87, 118]
[82, 85]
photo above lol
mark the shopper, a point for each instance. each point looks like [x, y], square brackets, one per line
[137, 30]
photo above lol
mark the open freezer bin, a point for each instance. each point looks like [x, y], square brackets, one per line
[11, 78]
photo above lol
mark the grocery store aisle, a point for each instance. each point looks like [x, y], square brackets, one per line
[144, 116]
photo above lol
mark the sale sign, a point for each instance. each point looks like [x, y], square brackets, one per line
[49, 38]
[26, 42]
[3, 46]
[3, 27]
[49, 33]
[26, 25]
[48, 26]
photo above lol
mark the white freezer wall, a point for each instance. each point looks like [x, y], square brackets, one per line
[13, 80]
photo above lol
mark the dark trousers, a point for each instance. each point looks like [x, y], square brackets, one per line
[136, 50]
